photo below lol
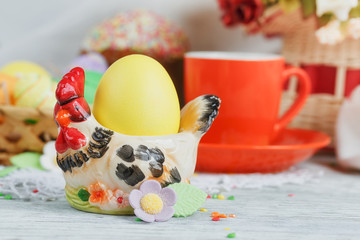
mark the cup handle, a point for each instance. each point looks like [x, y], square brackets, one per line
[304, 91]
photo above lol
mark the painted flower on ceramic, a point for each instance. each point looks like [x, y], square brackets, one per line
[99, 195]
[48, 159]
[118, 199]
[330, 34]
[240, 11]
[340, 8]
[153, 203]
[107, 199]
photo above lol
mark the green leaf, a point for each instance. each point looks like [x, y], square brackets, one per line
[27, 159]
[7, 170]
[31, 121]
[269, 3]
[308, 7]
[84, 195]
[289, 5]
[355, 12]
[189, 199]
[325, 19]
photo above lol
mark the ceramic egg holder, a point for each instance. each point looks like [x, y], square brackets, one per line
[101, 167]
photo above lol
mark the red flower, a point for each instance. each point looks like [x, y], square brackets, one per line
[240, 11]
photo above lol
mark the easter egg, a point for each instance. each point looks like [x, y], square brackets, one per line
[91, 83]
[23, 67]
[91, 61]
[7, 84]
[34, 90]
[136, 96]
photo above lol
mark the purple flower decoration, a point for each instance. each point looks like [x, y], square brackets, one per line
[152, 203]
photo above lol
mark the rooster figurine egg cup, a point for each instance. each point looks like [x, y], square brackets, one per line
[101, 167]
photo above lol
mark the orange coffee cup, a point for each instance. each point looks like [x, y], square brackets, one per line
[250, 86]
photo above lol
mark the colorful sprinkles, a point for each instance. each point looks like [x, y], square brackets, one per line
[231, 198]
[8, 197]
[218, 215]
[215, 214]
[231, 235]
[139, 31]
[221, 197]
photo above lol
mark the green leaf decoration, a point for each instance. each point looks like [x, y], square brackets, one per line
[27, 159]
[325, 19]
[355, 12]
[189, 199]
[308, 7]
[84, 195]
[7, 170]
[31, 121]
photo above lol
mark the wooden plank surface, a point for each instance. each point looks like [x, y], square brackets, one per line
[327, 208]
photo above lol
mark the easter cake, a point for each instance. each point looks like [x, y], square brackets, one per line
[144, 32]
[26, 102]
[136, 151]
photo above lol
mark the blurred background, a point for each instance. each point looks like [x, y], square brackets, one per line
[51, 33]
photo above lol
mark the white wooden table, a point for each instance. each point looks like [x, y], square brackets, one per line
[328, 208]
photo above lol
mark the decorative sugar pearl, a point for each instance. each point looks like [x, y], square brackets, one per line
[8, 197]
[231, 235]
[214, 214]
[220, 196]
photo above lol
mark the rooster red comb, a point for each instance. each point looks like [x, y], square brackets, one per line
[70, 96]
[71, 106]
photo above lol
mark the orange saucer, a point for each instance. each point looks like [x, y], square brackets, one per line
[291, 147]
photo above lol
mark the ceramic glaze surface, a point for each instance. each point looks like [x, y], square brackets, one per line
[289, 148]
[251, 86]
[101, 166]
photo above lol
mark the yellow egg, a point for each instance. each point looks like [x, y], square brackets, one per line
[23, 67]
[136, 96]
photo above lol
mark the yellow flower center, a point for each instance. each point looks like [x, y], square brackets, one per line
[151, 203]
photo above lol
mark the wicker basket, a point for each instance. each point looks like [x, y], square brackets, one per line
[24, 129]
[302, 48]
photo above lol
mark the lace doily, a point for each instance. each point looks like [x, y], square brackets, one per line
[33, 184]
[212, 183]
